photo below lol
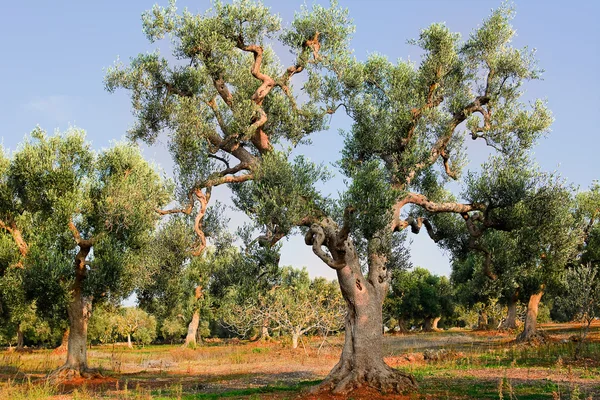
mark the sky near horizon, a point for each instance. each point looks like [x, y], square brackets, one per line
[55, 54]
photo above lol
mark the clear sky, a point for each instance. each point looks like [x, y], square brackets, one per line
[54, 54]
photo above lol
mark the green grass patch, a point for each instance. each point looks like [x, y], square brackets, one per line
[244, 392]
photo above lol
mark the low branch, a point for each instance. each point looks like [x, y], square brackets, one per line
[316, 237]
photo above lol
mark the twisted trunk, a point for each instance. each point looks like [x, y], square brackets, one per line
[190, 338]
[511, 318]
[264, 330]
[79, 311]
[530, 328]
[129, 344]
[361, 362]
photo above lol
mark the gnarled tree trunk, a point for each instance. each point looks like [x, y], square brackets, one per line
[361, 362]
[511, 318]
[264, 330]
[530, 328]
[190, 338]
[129, 344]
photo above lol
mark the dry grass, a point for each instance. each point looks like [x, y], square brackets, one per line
[459, 364]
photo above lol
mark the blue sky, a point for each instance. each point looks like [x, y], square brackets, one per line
[55, 53]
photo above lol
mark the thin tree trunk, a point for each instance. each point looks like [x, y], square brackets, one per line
[583, 334]
[530, 327]
[20, 338]
[511, 318]
[79, 311]
[129, 341]
[295, 337]
[190, 339]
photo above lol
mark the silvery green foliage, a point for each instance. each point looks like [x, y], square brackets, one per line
[407, 116]
[587, 215]
[110, 197]
[417, 295]
[527, 230]
[581, 299]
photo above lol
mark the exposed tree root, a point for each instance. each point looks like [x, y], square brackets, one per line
[67, 373]
[535, 339]
[342, 380]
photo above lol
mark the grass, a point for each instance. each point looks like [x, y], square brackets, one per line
[473, 365]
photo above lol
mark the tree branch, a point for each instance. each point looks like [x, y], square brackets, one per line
[83, 243]
[17, 237]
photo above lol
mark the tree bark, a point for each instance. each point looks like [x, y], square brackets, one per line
[511, 318]
[295, 337]
[435, 323]
[264, 330]
[430, 324]
[79, 311]
[530, 328]
[190, 339]
[361, 362]
[129, 341]
[64, 343]
[20, 338]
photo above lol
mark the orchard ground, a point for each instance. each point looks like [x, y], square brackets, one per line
[455, 364]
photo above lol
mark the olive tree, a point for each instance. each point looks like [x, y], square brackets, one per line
[135, 322]
[80, 221]
[175, 286]
[522, 242]
[229, 108]
[419, 296]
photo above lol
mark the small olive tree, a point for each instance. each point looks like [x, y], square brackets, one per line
[81, 221]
